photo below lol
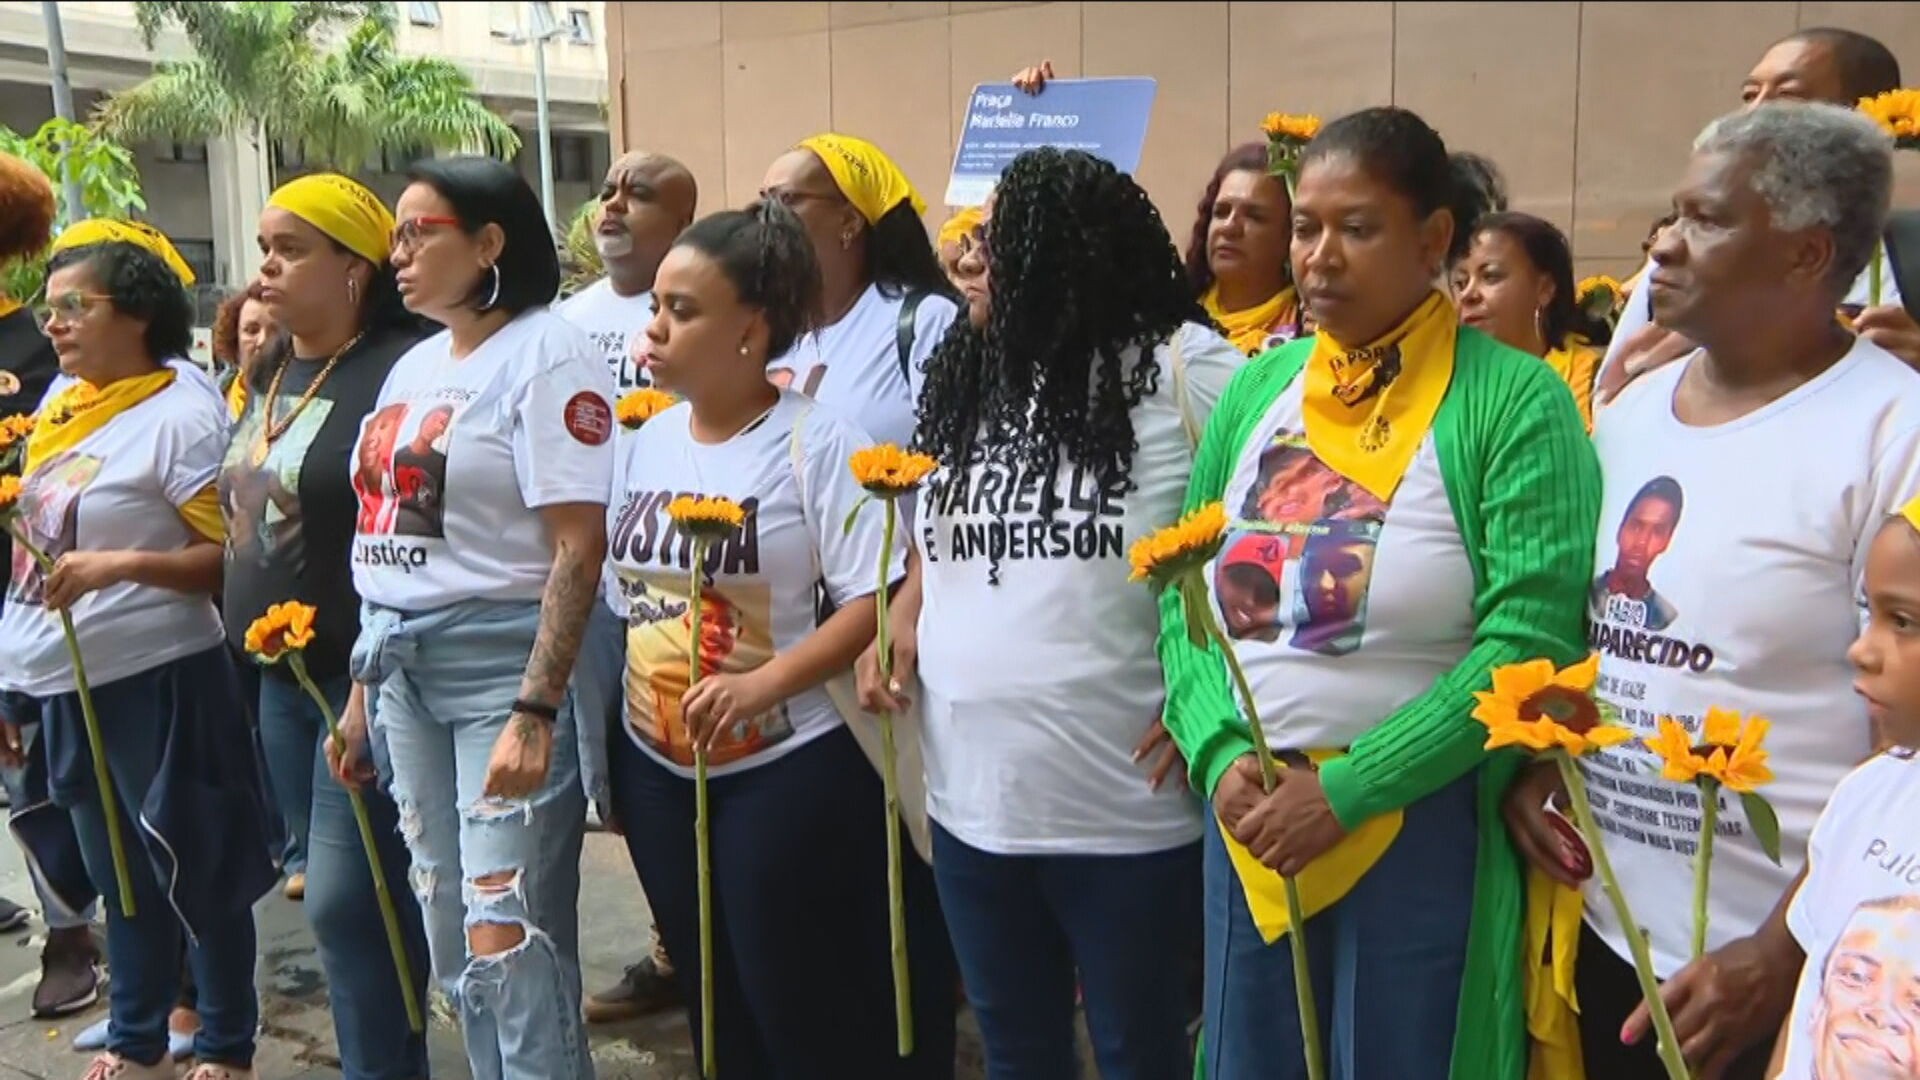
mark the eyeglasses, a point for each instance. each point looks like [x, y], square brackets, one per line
[68, 307]
[408, 234]
[792, 199]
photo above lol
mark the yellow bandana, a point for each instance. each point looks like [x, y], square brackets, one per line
[959, 225]
[107, 231]
[341, 208]
[237, 396]
[1250, 330]
[1324, 881]
[8, 305]
[1911, 512]
[1367, 409]
[1554, 915]
[864, 174]
[1577, 363]
[82, 409]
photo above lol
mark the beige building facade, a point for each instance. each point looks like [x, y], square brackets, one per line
[1588, 108]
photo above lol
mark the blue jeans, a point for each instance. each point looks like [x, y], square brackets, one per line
[21, 711]
[290, 736]
[450, 680]
[1387, 959]
[599, 698]
[803, 988]
[363, 990]
[1023, 925]
[144, 952]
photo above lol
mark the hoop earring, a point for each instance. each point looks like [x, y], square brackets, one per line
[493, 297]
[1540, 326]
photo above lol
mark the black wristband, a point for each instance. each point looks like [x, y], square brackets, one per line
[549, 713]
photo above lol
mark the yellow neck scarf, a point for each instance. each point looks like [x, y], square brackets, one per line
[82, 409]
[8, 305]
[1577, 363]
[1250, 329]
[1367, 409]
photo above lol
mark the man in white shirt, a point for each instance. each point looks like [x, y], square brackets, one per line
[1824, 64]
[646, 201]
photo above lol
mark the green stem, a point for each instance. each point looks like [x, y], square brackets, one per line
[1269, 779]
[702, 822]
[1669, 1045]
[896, 894]
[97, 748]
[1703, 861]
[1873, 281]
[389, 914]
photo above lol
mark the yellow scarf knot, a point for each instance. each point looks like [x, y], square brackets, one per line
[1368, 408]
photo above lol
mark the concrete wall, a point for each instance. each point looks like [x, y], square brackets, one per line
[1587, 107]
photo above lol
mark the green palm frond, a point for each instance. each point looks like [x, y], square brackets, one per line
[579, 258]
[183, 102]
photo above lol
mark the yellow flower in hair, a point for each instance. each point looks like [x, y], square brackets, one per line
[287, 626]
[1534, 705]
[9, 494]
[708, 517]
[888, 472]
[12, 430]
[1179, 548]
[1302, 126]
[641, 406]
[1898, 113]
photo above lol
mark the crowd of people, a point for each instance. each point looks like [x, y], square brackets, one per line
[1383, 373]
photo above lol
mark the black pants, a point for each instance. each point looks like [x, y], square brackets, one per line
[803, 983]
[1608, 992]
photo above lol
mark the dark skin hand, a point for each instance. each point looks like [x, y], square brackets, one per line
[1162, 757]
[1890, 327]
[1286, 829]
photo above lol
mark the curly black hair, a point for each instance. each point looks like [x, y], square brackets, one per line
[142, 286]
[764, 252]
[1085, 283]
[900, 258]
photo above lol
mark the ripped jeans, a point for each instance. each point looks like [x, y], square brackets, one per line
[447, 680]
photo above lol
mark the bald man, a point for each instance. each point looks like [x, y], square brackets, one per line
[1823, 64]
[646, 200]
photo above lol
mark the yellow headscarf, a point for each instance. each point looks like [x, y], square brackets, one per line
[341, 208]
[108, 231]
[959, 225]
[865, 175]
[1368, 408]
[1911, 512]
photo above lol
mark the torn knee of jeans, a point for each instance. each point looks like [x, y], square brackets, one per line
[498, 939]
[412, 826]
[497, 889]
[494, 808]
[425, 881]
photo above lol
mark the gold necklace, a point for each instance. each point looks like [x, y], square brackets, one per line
[270, 431]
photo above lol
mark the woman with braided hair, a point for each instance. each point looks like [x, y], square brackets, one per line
[1063, 414]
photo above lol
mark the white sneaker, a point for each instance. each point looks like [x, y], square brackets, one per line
[221, 1072]
[111, 1066]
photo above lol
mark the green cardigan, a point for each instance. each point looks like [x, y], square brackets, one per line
[1524, 486]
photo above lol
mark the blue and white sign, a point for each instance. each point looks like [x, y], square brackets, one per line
[1104, 117]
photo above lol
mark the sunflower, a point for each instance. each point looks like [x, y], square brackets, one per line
[1730, 750]
[9, 494]
[1300, 127]
[12, 430]
[888, 472]
[285, 626]
[641, 406]
[1674, 747]
[1535, 706]
[1898, 113]
[708, 517]
[1181, 547]
[1600, 297]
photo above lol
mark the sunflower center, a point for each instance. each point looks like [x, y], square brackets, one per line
[1569, 708]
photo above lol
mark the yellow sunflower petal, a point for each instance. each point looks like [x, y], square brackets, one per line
[1607, 735]
[1580, 676]
[1746, 771]
[1721, 727]
[1517, 682]
[9, 493]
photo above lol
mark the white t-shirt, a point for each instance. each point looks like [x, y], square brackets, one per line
[617, 324]
[459, 453]
[1729, 573]
[1638, 311]
[1856, 1015]
[854, 365]
[759, 591]
[1037, 689]
[119, 489]
[1328, 655]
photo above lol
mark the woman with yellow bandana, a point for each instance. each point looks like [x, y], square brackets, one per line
[1409, 503]
[287, 491]
[1237, 255]
[885, 301]
[119, 492]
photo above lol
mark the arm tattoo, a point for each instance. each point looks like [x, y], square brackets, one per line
[571, 590]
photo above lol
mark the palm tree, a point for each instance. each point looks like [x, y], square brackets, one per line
[277, 72]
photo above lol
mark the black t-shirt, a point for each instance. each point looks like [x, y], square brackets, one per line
[290, 517]
[27, 365]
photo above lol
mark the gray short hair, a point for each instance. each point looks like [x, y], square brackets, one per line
[1817, 165]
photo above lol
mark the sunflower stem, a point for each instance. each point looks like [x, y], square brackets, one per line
[702, 823]
[1874, 276]
[1668, 1045]
[1269, 779]
[389, 914]
[96, 747]
[1703, 861]
[896, 892]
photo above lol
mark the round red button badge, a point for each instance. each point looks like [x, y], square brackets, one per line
[589, 418]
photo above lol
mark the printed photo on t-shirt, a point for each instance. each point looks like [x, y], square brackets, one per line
[260, 484]
[49, 516]
[736, 635]
[1624, 593]
[401, 470]
[1865, 1019]
[1298, 561]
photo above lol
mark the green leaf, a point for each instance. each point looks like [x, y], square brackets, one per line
[1609, 712]
[1764, 822]
[854, 515]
